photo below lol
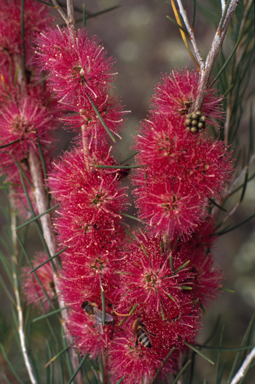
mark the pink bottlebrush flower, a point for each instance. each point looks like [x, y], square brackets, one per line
[90, 197]
[179, 91]
[168, 208]
[86, 337]
[136, 364]
[149, 282]
[86, 269]
[31, 288]
[36, 17]
[178, 173]
[25, 122]
[77, 64]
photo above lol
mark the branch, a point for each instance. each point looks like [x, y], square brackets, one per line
[69, 18]
[244, 367]
[213, 54]
[70, 13]
[17, 295]
[41, 201]
[191, 35]
[61, 12]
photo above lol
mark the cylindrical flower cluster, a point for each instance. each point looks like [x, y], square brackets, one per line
[180, 171]
[27, 114]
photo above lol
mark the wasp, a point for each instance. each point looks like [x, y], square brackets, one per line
[96, 315]
[142, 334]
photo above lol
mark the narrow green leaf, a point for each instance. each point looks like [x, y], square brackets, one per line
[57, 356]
[241, 186]
[219, 354]
[217, 205]
[6, 267]
[84, 16]
[179, 26]
[224, 349]
[251, 147]
[214, 330]
[118, 166]
[36, 217]
[49, 4]
[103, 304]
[199, 352]
[7, 291]
[49, 314]
[44, 171]
[101, 119]
[10, 143]
[51, 370]
[131, 217]
[236, 226]
[162, 365]
[40, 81]
[227, 290]
[182, 266]
[7, 380]
[46, 261]
[228, 90]
[171, 262]
[130, 157]
[120, 380]
[10, 365]
[181, 372]
[170, 296]
[248, 330]
[194, 14]
[185, 287]
[78, 368]
[36, 276]
[97, 13]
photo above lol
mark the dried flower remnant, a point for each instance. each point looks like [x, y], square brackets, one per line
[32, 290]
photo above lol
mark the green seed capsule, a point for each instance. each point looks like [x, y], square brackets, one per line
[194, 129]
[194, 122]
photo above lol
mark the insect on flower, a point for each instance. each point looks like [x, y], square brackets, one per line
[96, 315]
[141, 334]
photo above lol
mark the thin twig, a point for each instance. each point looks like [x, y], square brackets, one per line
[41, 201]
[70, 13]
[244, 367]
[17, 295]
[213, 54]
[191, 35]
[61, 12]
[223, 6]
